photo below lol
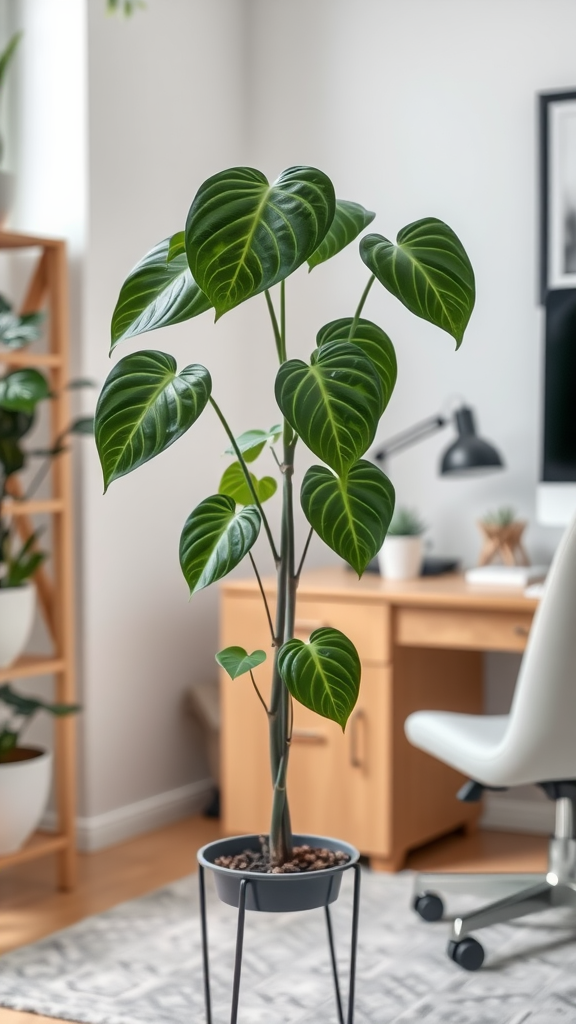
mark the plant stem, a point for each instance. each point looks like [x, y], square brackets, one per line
[260, 697]
[283, 321]
[304, 553]
[270, 623]
[275, 327]
[360, 307]
[248, 478]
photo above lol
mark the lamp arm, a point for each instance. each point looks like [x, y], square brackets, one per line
[413, 435]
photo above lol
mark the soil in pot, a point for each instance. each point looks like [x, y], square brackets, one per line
[306, 858]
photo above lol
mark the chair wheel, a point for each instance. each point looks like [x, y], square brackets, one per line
[467, 953]
[429, 906]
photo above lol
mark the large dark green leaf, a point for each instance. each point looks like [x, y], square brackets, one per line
[244, 235]
[145, 406]
[374, 343]
[237, 662]
[215, 539]
[21, 390]
[428, 270]
[352, 515]
[158, 292]
[252, 442]
[349, 220]
[323, 674]
[234, 483]
[334, 404]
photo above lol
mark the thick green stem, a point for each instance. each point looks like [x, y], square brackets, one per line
[360, 307]
[248, 479]
[275, 327]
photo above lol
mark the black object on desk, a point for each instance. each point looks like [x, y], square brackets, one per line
[432, 565]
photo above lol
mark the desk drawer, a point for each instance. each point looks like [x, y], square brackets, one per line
[367, 625]
[467, 630]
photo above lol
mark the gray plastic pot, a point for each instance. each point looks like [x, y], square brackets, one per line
[277, 893]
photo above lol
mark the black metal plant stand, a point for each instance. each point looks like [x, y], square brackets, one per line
[240, 942]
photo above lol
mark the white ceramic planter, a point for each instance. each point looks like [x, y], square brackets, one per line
[400, 558]
[24, 788]
[17, 605]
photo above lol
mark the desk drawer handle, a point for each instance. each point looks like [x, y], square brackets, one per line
[521, 630]
[358, 717]
[310, 736]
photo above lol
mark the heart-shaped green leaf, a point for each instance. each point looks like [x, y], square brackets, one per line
[234, 483]
[374, 343]
[160, 291]
[352, 515]
[236, 661]
[334, 404]
[323, 674]
[244, 235]
[428, 270]
[252, 442]
[21, 390]
[146, 405]
[349, 220]
[215, 539]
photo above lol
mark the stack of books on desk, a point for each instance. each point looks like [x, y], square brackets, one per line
[506, 575]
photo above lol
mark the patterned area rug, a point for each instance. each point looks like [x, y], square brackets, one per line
[140, 963]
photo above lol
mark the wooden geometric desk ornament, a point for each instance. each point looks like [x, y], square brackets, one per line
[502, 539]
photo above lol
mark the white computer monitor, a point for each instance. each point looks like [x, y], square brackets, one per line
[556, 494]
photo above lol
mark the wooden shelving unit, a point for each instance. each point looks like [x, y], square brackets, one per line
[48, 291]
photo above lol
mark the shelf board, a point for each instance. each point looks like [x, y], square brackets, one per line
[23, 357]
[32, 508]
[41, 844]
[16, 240]
[30, 665]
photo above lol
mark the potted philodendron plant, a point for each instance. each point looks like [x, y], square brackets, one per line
[243, 238]
[25, 772]
[21, 391]
[401, 555]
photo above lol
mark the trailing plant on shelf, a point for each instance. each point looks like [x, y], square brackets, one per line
[18, 713]
[244, 237]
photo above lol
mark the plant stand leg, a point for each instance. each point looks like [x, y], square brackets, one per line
[334, 965]
[239, 945]
[354, 943]
[202, 887]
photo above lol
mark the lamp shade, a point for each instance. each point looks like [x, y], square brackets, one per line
[469, 453]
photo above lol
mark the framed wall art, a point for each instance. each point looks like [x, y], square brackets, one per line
[557, 191]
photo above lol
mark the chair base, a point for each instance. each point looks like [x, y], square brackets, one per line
[522, 894]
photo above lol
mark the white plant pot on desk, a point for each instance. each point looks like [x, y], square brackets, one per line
[24, 789]
[400, 558]
[17, 605]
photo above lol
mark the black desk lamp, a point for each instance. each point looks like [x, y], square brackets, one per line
[467, 455]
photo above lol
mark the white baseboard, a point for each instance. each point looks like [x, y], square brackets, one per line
[503, 814]
[100, 830]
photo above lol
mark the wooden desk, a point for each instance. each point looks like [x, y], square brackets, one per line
[420, 644]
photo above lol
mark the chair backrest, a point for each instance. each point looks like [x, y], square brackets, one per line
[540, 741]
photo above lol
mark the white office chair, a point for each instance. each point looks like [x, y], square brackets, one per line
[535, 743]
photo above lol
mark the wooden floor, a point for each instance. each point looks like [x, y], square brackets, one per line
[32, 908]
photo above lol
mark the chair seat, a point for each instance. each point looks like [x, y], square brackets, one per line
[469, 743]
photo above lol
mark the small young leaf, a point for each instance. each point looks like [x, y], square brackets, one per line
[251, 442]
[233, 482]
[323, 674]
[236, 661]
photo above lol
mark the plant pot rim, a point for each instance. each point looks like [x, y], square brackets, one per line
[288, 876]
[36, 754]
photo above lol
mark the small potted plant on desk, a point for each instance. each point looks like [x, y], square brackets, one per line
[242, 238]
[401, 555]
[21, 391]
[25, 772]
